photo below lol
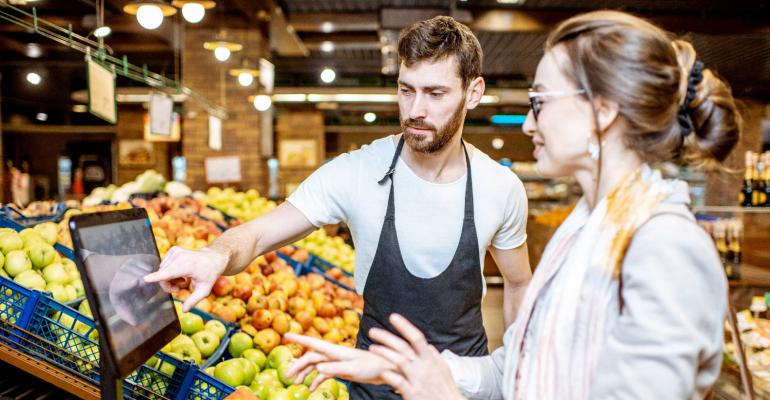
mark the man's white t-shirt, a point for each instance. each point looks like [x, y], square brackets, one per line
[429, 216]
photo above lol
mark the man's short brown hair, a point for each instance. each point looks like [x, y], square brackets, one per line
[439, 38]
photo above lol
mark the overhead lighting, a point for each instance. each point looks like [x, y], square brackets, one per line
[34, 78]
[508, 119]
[370, 117]
[290, 98]
[42, 117]
[245, 73]
[149, 13]
[102, 31]
[80, 108]
[223, 49]
[193, 11]
[327, 27]
[353, 98]
[327, 46]
[34, 50]
[497, 143]
[262, 102]
[510, 1]
[328, 75]
[489, 99]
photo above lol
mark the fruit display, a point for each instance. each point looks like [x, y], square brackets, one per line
[29, 258]
[331, 248]
[266, 375]
[242, 205]
[63, 230]
[149, 181]
[198, 340]
[42, 208]
[268, 300]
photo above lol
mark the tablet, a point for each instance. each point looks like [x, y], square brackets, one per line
[114, 251]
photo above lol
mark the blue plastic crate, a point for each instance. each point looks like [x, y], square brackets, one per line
[16, 306]
[324, 265]
[304, 269]
[161, 381]
[25, 221]
[199, 385]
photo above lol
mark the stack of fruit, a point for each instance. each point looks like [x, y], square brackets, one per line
[331, 248]
[242, 205]
[198, 340]
[63, 228]
[29, 258]
[266, 375]
[200, 207]
[268, 299]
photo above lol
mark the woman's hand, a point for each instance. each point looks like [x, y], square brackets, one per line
[331, 360]
[421, 373]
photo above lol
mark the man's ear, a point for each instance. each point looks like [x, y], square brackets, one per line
[474, 92]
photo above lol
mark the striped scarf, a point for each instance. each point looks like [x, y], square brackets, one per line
[559, 332]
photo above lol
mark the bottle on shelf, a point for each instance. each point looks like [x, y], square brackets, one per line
[734, 244]
[766, 165]
[747, 190]
[720, 239]
[758, 192]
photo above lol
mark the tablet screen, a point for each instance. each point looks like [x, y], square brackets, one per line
[116, 257]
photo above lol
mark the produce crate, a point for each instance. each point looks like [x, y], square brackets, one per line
[6, 222]
[306, 268]
[15, 215]
[228, 218]
[16, 306]
[324, 265]
[199, 385]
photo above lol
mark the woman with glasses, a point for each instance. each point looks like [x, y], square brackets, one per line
[629, 298]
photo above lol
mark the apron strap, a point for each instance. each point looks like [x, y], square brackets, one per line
[392, 168]
[468, 185]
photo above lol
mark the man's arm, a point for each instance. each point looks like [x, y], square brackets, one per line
[514, 266]
[281, 226]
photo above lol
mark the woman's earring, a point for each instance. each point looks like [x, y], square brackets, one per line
[593, 151]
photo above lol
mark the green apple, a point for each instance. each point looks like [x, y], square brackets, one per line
[58, 292]
[167, 368]
[191, 323]
[279, 394]
[256, 356]
[332, 385]
[249, 370]
[299, 392]
[283, 377]
[48, 231]
[72, 294]
[16, 262]
[55, 273]
[41, 254]
[207, 342]
[239, 342]
[30, 279]
[229, 372]
[152, 362]
[4, 274]
[209, 371]
[85, 309]
[184, 346]
[280, 355]
[10, 241]
[216, 327]
[266, 388]
[79, 289]
[310, 378]
[319, 394]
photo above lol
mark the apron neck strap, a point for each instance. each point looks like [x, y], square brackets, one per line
[392, 168]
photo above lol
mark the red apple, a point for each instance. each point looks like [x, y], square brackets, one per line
[223, 286]
[261, 319]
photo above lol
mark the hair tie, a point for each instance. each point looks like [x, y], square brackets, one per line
[683, 116]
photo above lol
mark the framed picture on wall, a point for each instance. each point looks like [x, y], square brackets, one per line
[298, 153]
[135, 153]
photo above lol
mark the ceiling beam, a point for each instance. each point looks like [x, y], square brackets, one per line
[339, 22]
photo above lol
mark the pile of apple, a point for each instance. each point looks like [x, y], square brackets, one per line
[266, 375]
[87, 353]
[29, 258]
[198, 340]
[331, 248]
[242, 205]
[63, 228]
[268, 300]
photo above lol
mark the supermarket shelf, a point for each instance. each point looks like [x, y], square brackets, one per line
[47, 372]
[752, 276]
[730, 209]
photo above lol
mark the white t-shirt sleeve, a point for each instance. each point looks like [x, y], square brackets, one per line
[513, 231]
[326, 195]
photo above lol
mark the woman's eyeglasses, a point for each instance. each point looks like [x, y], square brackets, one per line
[536, 102]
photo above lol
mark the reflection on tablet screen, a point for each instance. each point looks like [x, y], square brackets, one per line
[117, 257]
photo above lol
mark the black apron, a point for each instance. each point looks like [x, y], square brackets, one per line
[446, 308]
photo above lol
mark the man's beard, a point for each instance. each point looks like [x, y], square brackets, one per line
[441, 136]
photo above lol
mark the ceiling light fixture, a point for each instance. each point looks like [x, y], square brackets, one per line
[327, 27]
[327, 46]
[245, 74]
[328, 75]
[34, 78]
[370, 117]
[222, 49]
[262, 102]
[149, 13]
[193, 11]
[102, 31]
[34, 50]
